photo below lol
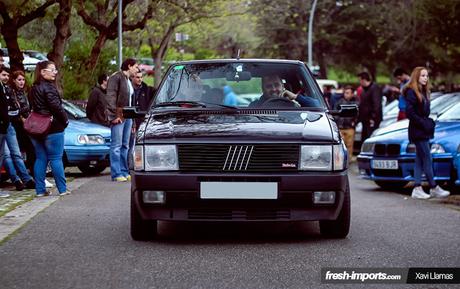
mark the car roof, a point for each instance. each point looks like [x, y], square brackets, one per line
[241, 60]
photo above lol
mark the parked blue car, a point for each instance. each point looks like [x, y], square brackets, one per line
[86, 144]
[388, 158]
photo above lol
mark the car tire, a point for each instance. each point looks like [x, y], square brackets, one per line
[142, 230]
[340, 227]
[391, 185]
[91, 170]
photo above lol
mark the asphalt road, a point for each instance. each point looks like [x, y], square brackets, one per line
[83, 241]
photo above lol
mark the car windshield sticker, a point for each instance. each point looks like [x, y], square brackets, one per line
[178, 67]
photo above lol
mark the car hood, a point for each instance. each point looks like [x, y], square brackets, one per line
[444, 129]
[281, 125]
[86, 127]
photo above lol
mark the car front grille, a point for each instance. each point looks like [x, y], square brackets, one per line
[238, 157]
[387, 149]
[261, 214]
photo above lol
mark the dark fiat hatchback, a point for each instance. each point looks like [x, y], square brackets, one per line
[239, 140]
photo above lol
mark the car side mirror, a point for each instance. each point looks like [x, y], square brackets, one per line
[346, 110]
[132, 112]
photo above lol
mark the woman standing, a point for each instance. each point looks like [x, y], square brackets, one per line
[19, 91]
[46, 100]
[421, 130]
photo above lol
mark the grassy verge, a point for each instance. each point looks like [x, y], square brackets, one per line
[14, 200]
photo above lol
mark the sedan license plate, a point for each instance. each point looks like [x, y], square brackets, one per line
[385, 164]
[239, 190]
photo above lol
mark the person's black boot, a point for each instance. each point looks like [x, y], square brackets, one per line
[19, 185]
[30, 184]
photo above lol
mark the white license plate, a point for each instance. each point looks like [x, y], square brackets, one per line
[239, 190]
[385, 164]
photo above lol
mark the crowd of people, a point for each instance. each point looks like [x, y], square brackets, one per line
[17, 102]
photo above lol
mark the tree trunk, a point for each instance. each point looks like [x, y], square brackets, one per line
[159, 54]
[62, 23]
[96, 51]
[9, 31]
[322, 65]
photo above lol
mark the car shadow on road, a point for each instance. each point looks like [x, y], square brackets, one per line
[238, 232]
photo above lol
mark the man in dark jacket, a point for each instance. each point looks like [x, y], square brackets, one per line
[347, 124]
[120, 93]
[370, 105]
[95, 109]
[143, 94]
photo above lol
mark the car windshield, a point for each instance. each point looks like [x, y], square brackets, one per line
[452, 113]
[239, 85]
[440, 104]
[73, 110]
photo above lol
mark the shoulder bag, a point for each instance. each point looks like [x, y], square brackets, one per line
[38, 125]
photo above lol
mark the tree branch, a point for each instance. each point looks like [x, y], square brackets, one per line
[39, 12]
[88, 19]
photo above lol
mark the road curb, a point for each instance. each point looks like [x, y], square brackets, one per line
[16, 218]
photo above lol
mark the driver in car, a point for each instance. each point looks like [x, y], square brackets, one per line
[273, 89]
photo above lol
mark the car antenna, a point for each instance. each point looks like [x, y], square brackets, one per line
[238, 54]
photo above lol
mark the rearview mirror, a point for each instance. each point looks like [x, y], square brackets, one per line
[132, 112]
[238, 76]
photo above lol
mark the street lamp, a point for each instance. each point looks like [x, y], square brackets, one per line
[310, 33]
[120, 32]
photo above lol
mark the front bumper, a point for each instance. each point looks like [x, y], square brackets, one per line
[87, 154]
[442, 168]
[183, 202]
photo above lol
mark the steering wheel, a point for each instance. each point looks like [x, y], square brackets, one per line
[278, 102]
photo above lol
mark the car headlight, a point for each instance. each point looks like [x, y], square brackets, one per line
[367, 147]
[160, 158]
[92, 139]
[316, 158]
[437, 149]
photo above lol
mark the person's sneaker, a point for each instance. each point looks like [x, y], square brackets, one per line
[120, 179]
[45, 194]
[418, 193]
[128, 178]
[30, 184]
[19, 185]
[438, 192]
[4, 195]
[48, 184]
[64, 193]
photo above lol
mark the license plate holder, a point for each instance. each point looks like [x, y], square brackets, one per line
[239, 190]
[385, 164]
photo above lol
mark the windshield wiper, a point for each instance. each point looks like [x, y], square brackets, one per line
[180, 103]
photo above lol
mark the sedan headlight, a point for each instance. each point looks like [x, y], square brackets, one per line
[316, 158]
[91, 139]
[437, 149]
[367, 147]
[160, 158]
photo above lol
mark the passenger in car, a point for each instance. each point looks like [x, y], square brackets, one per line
[273, 88]
[191, 89]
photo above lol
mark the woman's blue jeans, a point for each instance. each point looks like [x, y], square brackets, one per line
[423, 161]
[50, 149]
[14, 163]
[119, 147]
